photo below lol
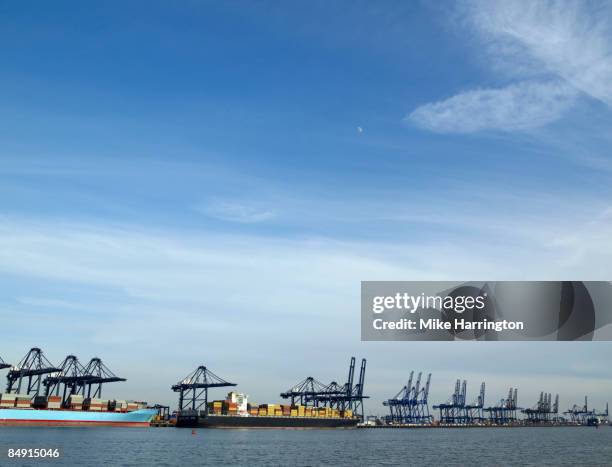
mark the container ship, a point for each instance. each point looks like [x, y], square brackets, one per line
[80, 402]
[236, 412]
[20, 410]
[311, 403]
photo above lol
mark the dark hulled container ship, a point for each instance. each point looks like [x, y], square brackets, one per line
[310, 404]
[236, 412]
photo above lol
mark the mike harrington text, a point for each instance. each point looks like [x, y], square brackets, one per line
[436, 324]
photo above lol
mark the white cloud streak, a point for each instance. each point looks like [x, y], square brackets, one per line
[521, 106]
[235, 211]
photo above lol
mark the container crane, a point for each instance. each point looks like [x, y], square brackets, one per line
[71, 374]
[94, 375]
[26, 377]
[193, 388]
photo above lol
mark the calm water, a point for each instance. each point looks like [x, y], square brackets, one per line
[170, 446]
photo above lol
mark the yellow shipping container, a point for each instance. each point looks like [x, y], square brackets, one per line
[294, 412]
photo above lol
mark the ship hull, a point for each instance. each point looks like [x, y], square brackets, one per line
[232, 421]
[34, 417]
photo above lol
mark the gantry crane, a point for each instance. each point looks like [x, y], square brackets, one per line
[26, 377]
[193, 388]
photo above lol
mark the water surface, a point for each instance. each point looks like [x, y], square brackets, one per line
[171, 446]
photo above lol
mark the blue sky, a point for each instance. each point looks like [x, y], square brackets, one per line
[220, 177]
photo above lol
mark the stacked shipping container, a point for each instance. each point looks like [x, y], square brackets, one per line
[54, 402]
[8, 400]
[226, 407]
[75, 402]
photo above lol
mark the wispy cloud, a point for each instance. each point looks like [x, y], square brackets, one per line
[51, 303]
[553, 50]
[521, 106]
[570, 39]
[235, 211]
